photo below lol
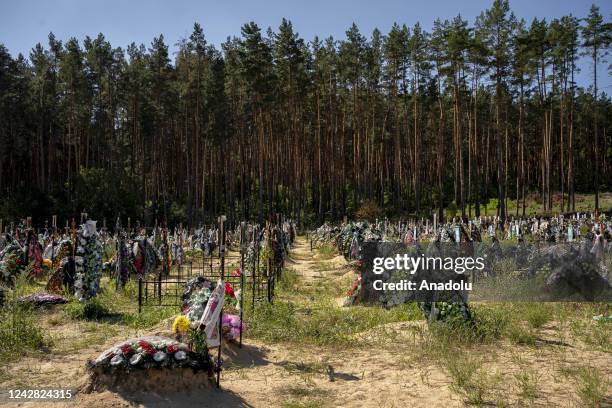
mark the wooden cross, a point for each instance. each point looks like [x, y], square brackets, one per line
[74, 241]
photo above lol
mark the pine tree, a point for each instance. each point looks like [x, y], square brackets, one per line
[596, 37]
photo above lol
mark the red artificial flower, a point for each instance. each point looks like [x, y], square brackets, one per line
[172, 348]
[237, 273]
[355, 286]
[229, 290]
[127, 349]
[147, 347]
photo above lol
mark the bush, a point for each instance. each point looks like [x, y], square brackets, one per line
[489, 323]
[369, 210]
[90, 310]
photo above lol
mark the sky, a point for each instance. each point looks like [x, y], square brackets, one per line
[23, 23]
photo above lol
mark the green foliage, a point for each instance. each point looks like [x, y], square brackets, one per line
[105, 194]
[327, 251]
[451, 210]
[88, 126]
[20, 333]
[537, 315]
[470, 379]
[369, 211]
[90, 310]
[521, 336]
[489, 323]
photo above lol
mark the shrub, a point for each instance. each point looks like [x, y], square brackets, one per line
[488, 324]
[90, 310]
[369, 210]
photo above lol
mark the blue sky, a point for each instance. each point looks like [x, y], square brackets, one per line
[23, 23]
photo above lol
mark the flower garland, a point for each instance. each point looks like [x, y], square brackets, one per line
[43, 299]
[89, 266]
[196, 294]
[35, 254]
[122, 265]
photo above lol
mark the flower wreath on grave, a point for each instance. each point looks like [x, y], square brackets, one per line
[196, 295]
[151, 352]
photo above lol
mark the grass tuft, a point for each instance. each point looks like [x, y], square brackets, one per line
[527, 385]
[19, 333]
[592, 387]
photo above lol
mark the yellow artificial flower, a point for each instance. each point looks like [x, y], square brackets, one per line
[180, 325]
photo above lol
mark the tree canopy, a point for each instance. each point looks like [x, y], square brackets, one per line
[269, 122]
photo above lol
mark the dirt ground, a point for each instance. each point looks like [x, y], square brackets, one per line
[287, 375]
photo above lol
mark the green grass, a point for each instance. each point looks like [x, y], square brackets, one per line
[533, 205]
[521, 336]
[470, 379]
[490, 323]
[90, 310]
[309, 315]
[537, 315]
[322, 323]
[527, 385]
[20, 333]
[22, 328]
[326, 251]
[592, 387]
[118, 307]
